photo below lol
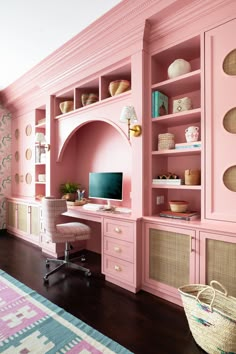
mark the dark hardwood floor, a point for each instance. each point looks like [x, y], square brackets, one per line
[142, 323]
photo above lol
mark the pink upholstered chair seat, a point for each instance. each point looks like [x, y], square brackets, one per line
[57, 232]
[72, 231]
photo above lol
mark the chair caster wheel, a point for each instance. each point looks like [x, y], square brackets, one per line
[88, 274]
[45, 280]
[83, 258]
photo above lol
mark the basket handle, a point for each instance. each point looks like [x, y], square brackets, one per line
[213, 297]
[225, 291]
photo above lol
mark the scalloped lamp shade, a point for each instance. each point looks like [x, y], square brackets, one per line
[128, 113]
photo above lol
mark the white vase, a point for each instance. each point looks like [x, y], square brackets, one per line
[191, 134]
[178, 67]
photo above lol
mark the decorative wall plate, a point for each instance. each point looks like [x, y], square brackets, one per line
[28, 178]
[17, 134]
[28, 154]
[28, 130]
[17, 156]
[17, 178]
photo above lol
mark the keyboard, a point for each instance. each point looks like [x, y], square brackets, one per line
[92, 206]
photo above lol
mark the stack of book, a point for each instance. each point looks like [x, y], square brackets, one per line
[159, 104]
[190, 145]
[168, 181]
[188, 215]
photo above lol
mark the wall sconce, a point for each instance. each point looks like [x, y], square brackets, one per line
[128, 115]
[42, 144]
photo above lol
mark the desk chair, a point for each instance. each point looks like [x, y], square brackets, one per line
[58, 233]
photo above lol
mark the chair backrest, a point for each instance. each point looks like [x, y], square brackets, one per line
[51, 210]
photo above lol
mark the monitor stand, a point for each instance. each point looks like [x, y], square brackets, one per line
[108, 206]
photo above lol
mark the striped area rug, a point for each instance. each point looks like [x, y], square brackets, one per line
[29, 323]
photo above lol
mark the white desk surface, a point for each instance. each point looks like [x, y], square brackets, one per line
[79, 212]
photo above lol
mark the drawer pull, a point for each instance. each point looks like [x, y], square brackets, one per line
[117, 229]
[117, 249]
[117, 268]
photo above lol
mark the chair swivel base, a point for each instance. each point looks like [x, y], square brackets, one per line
[63, 264]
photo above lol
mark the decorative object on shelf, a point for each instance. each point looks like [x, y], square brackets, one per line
[182, 104]
[42, 146]
[41, 177]
[159, 104]
[88, 98]
[118, 86]
[166, 141]
[178, 67]
[128, 115]
[41, 121]
[69, 191]
[168, 175]
[192, 177]
[66, 106]
[178, 206]
[191, 134]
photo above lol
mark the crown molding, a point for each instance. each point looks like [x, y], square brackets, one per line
[187, 16]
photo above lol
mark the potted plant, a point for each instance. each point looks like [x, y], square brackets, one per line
[69, 190]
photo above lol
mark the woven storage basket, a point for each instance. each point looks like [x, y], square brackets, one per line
[166, 141]
[211, 316]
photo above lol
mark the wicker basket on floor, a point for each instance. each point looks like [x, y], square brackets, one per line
[211, 316]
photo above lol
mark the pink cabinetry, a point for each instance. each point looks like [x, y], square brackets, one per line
[23, 220]
[169, 259]
[218, 259]
[220, 123]
[121, 247]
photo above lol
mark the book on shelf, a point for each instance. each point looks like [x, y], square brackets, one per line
[159, 104]
[190, 145]
[168, 181]
[188, 215]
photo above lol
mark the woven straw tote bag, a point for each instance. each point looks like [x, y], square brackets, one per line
[211, 316]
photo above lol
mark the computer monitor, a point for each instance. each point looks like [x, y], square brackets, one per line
[106, 185]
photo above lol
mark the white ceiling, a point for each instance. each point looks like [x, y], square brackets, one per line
[30, 30]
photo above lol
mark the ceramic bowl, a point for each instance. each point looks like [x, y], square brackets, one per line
[118, 86]
[88, 98]
[66, 106]
[178, 206]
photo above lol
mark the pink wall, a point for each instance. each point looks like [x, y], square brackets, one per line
[96, 147]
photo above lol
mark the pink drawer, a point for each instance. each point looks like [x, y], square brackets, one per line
[118, 248]
[119, 269]
[119, 229]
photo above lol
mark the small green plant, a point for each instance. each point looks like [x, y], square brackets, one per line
[69, 187]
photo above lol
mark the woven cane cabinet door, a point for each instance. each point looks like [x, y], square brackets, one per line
[169, 259]
[218, 260]
[220, 171]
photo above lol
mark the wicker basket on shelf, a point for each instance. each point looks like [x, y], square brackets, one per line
[166, 141]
